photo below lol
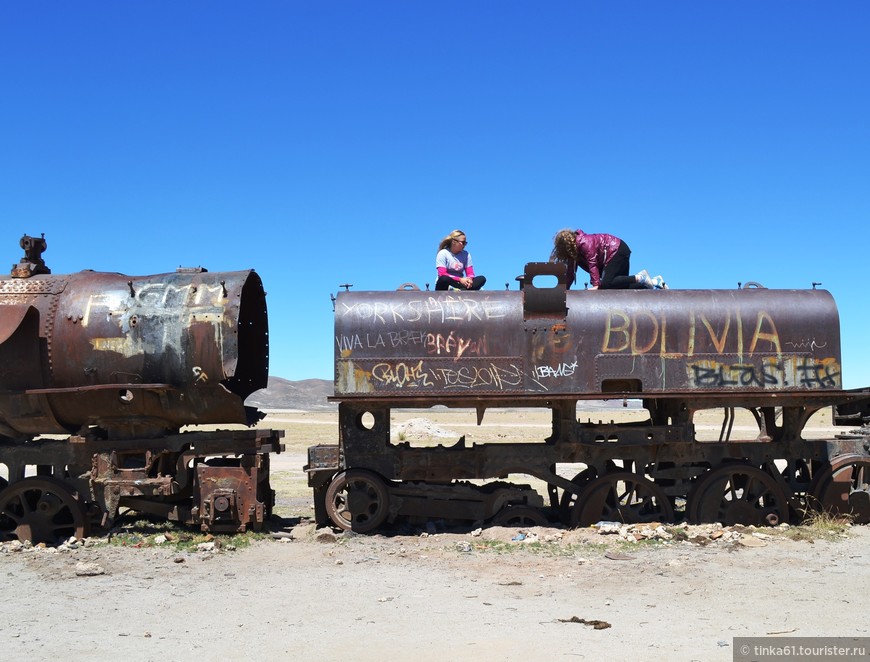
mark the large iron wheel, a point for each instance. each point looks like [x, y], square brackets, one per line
[623, 497]
[41, 510]
[843, 487]
[357, 500]
[738, 494]
[569, 499]
[520, 516]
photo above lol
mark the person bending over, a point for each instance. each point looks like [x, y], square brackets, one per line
[605, 257]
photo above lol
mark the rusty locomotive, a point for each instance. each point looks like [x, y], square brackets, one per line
[773, 353]
[100, 373]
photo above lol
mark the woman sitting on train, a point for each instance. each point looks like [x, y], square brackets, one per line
[606, 259]
[453, 263]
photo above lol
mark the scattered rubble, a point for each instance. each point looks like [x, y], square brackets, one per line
[699, 534]
[465, 541]
[12, 546]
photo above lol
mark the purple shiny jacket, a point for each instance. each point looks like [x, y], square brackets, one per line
[594, 252]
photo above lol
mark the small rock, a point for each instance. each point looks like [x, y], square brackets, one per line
[325, 535]
[88, 569]
[286, 535]
[618, 556]
[661, 533]
[607, 527]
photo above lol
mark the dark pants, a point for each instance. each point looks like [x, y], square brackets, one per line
[446, 282]
[616, 272]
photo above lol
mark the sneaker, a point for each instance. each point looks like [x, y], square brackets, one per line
[643, 278]
[658, 282]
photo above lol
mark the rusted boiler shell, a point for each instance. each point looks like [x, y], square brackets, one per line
[132, 354]
[555, 342]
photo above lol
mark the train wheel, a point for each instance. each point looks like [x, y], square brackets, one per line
[357, 500]
[41, 510]
[569, 499]
[623, 497]
[520, 516]
[738, 494]
[843, 488]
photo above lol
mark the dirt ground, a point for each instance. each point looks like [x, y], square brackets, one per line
[491, 594]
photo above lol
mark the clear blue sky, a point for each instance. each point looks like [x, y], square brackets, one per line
[336, 142]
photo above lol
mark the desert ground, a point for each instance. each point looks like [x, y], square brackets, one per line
[432, 594]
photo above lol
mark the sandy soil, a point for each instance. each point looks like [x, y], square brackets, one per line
[441, 597]
[471, 595]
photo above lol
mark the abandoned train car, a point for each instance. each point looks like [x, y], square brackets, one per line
[99, 372]
[775, 353]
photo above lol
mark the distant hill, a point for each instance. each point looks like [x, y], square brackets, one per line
[304, 395]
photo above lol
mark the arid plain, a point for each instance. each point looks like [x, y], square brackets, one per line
[495, 594]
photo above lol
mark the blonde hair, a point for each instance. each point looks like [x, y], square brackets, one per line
[445, 243]
[564, 246]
